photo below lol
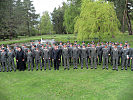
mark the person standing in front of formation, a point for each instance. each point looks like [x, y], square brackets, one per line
[20, 59]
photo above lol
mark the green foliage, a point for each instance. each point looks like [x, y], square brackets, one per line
[71, 12]
[45, 24]
[17, 17]
[96, 20]
[57, 19]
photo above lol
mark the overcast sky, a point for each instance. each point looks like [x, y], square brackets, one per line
[46, 5]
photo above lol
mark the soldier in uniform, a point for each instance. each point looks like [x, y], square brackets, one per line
[115, 53]
[41, 50]
[56, 57]
[11, 56]
[125, 57]
[30, 60]
[99, 51]
[46, 57]
[50, 54]
[0, 58]
[33, 54]
[131, 59]
[79, 54]
[65, 54]
[88, 52]
[4, 59]
[111, 54]
[93, 56]
[105, 52]
[38, 59]
[120, 47]
[70, 54]
[84, 54]
[60, 47]
[75, 56]
[129, 50]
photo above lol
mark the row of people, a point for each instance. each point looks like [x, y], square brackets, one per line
[113, 53]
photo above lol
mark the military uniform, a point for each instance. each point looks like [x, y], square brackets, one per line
[75, 56]
[88, 53]
[60, 47]
[41, 51]
[120, 54]
[84, 54]
[0, 59]
[56, 57]
[99, 51]
[33, 54]
[46, 58]
[51, 56]
[93, 55]
[11, 56]
[4, 60]
[131, 59]
[129, 50]
[125, 57]
[38, 58]
[65, 54]
[30, 60]
[70, 49]
[115, 53]
[79, 54]
[105, 52]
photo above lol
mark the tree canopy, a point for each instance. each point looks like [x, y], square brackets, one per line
[45, 24]
[96, 20]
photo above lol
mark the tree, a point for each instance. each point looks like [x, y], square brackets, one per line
[123, 15]
[96, 20]
[58, 19]
[17, 18]
[45, 24]
[71, 12]
[30, 18]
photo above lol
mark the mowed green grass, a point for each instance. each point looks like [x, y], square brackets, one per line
[70, 84]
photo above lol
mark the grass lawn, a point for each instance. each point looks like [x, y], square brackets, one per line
[68, 85]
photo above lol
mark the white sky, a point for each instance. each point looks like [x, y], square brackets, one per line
[46, 5]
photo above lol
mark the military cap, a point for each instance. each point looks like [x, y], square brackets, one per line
[126, 42]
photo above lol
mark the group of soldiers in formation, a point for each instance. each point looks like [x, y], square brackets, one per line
[116, 54]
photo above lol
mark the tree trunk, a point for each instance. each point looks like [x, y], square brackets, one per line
[128, 21]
